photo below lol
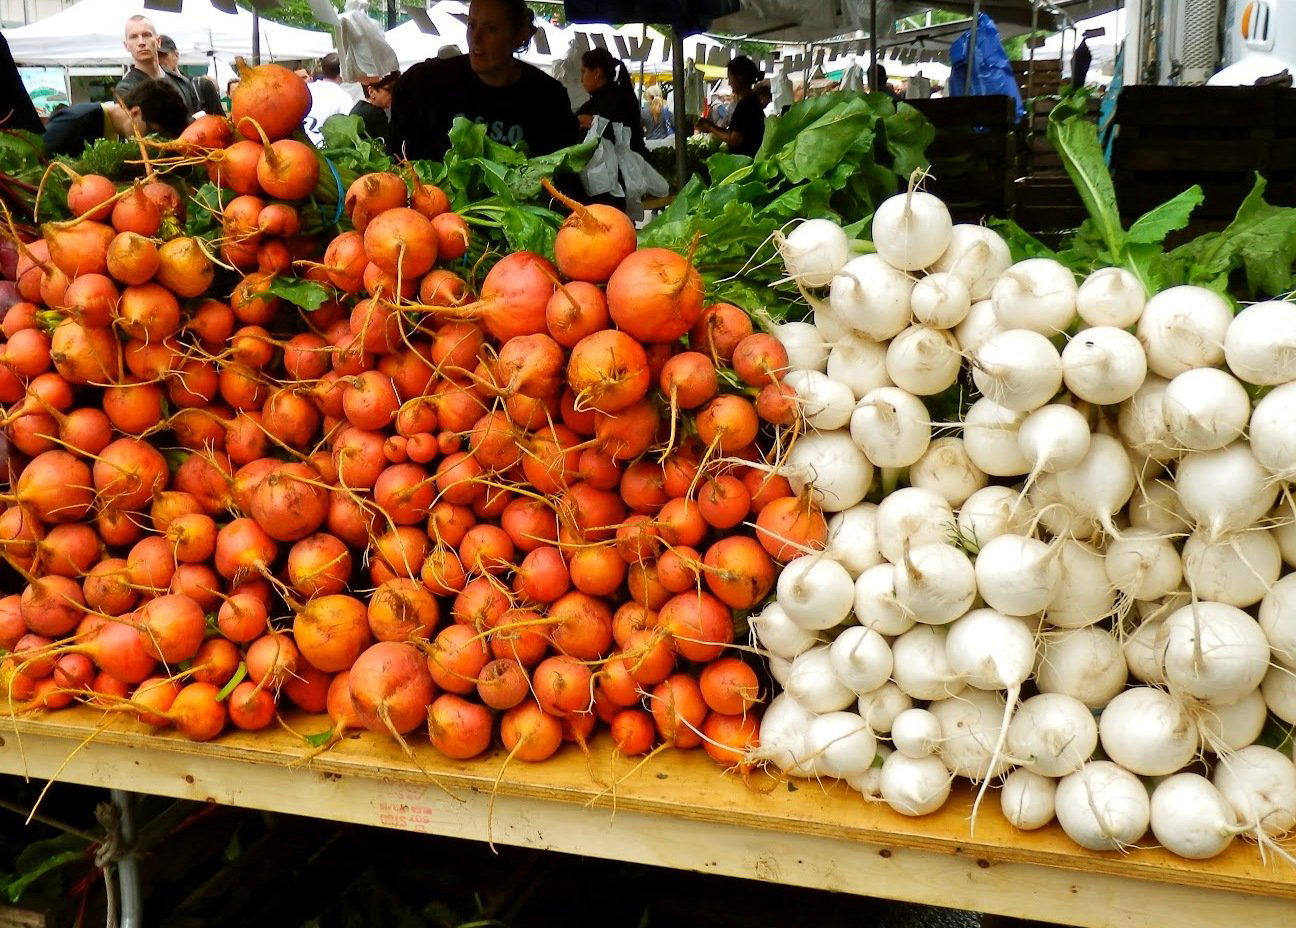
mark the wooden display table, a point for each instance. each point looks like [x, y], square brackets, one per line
[679, 810]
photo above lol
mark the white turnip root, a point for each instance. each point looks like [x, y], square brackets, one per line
[1111, 296]
[941, 300]
[1155, 507]
[1037, 294]
[814, 685]
[1259, 785]
[916, 733]
[839, 744]
[1260, 344]
[935, 583]
[852, 538]
[977, 327]
[1017, 575]
[1238, 569]
[816, 592]
[890, 426]
[970, 728]
[1143, 564]
[977, 255]
[1017, 368]
[1086, 664]
[1083, 596]
[875, 602]
[1182, 328]
[1148, 732]
[1191, 818]
[1101, 484]
[1278, 620]
[1052, 735]
[923, 360]
[858, 362]
[871, 298]
[1103, 365]
[990, 512]
[914, 785]
[1272, 431]
[1278, 690]
[1028, 800]
[1205, 409]
[912, 230]
[782, 732]
[1224, 729]
[1142, 423]
[990, 439]
[1103, 807]
[1212, 652]
[814, 252]
[825, 403]
[881, 707]
[778, 634]
[922, 669]
[836, 471]
[805, 346]
[861, 659]
[914, 516]
[1224, 491]
[946, 470]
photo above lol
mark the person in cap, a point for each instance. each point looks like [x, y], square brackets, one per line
[372, 110]
[152, 107]
[169, 59]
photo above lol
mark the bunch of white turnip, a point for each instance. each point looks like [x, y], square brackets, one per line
[1081, 592]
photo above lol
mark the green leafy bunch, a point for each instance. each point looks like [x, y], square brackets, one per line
[833, 156]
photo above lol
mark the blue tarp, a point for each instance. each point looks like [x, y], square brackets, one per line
[992, 71]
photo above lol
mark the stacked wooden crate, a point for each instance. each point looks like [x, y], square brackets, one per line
[974, 154]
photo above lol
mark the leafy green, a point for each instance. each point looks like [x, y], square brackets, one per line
[40, 858]
[834, 156]
[1260, 241]
[304, 293]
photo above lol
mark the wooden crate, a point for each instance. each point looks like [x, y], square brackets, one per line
[1169, 138]
[1046, 80]
[677, 810]
[974, 154]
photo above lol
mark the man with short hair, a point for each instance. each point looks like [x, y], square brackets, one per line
[327, 98]
[152, 107]
[141, 40]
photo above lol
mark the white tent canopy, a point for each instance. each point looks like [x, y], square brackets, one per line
[91, 33]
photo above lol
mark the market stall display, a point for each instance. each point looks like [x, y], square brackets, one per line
[449, 461]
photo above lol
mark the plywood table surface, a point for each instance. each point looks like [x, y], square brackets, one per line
[678, 810]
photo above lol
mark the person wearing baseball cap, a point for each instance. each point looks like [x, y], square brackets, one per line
[169, 59]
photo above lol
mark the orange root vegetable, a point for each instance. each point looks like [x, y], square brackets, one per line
[184, 268]
[655, 295]
[529, 733]
[402, 609]
[250, 708]
[457, 728]
[729, 739]
[740, 572]
[288, 169]
[787, 526]
[608, 371]
[91, 195]
[401, 242]
[197, 712]
[502, 684]
[332, 631]
[391, 688]
[632, 732]
[514, 295]
[452, 236]
[679, 710]
[593, 240]
[700, 624]
[272, 99]
[371, 194]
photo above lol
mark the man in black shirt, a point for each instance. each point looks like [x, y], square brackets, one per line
[142, 41]
[517, 103]
[169, 59]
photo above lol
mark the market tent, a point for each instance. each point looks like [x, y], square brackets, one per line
[90, 33]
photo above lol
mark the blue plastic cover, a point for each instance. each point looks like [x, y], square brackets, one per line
[992, 71]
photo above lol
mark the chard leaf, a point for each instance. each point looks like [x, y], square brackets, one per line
[1153, 226]
[307, 294]
[1076, 141]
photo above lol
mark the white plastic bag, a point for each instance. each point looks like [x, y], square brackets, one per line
[363, 51]
[638, 177]
[602, 173]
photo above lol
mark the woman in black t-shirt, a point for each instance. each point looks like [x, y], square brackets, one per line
[517, 103]
[612, 95]
[746, 126]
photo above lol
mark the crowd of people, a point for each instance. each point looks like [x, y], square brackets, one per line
[412, 112]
